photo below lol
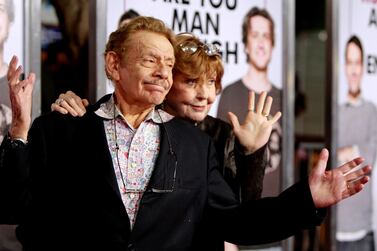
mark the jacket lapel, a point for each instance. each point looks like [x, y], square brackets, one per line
[95, 133]
[166, 164]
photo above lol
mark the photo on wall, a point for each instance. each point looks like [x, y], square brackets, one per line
[11, 43]
[357, 116]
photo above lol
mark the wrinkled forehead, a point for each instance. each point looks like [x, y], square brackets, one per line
[150, 43]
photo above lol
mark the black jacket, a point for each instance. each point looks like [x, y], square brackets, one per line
[62, 191]
[243, 173]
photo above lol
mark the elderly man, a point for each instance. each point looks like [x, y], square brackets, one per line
[127, 176]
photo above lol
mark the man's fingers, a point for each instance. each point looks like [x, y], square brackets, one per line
[26, 84]
[31, 77]
[29, 80]
[347, 167]
[13, 78]
[359, 172]
[322, 162]
[12, 67]
[356, 186]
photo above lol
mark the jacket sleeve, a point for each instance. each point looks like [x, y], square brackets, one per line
[250, 172]
[244, 173]
[259, 221]
[14, 181]
[15, 176]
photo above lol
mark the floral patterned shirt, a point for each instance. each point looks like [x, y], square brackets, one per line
[133, 150]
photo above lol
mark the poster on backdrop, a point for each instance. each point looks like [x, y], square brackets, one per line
[221, 22]
[213, 21]
[11, 43]
[357, 113]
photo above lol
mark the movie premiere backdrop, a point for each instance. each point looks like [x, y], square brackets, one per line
[11, 39]
[220, 22]
[20, 36]
[213, 21]
[356, 128]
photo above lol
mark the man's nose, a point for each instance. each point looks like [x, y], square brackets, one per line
[163, 71]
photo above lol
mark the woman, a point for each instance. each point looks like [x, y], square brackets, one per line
[197, 75]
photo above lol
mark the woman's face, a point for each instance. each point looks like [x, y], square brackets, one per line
[191, 98]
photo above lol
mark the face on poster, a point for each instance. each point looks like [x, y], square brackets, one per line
[358, 18]
[218, 22]
[357, 105]
[11, 34]
[11, 43]
[12, 20]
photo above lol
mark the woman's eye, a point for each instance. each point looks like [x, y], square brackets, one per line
[191, 82]
[211, 82]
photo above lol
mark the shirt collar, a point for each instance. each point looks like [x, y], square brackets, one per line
[106, 111]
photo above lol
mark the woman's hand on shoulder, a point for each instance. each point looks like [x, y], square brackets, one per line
[70, 103]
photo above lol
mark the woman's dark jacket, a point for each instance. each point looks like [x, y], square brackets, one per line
[243, 173]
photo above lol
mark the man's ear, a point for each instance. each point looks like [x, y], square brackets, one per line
[112, 66]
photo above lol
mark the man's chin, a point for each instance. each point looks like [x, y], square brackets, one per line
[157, 100]
[260, 67]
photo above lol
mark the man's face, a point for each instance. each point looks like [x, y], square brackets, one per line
[354, 67]
[191, 98]
[259, 43]
[145, 72]
[4, 22]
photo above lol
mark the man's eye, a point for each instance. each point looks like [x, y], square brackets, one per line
[149, 60]
[170, 65]
[211, 82]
